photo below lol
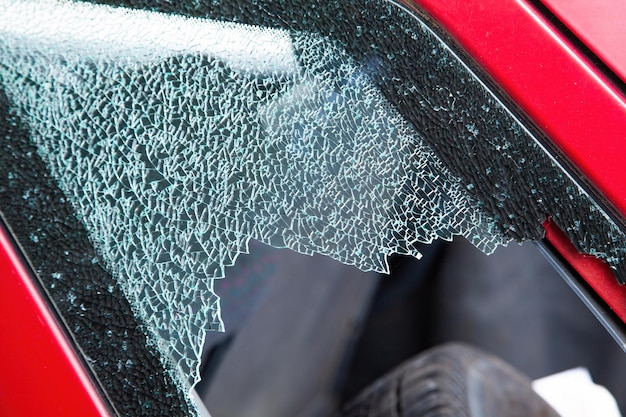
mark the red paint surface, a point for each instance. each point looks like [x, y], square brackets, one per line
[581, 111]
[41, 375]
[597, 273]
[600, 24]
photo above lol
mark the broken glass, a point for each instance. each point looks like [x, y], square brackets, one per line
[174, 154]
[178, 137]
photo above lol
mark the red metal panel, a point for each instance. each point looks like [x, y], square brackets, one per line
[597, 273]
[41, 375]
[600, 24]
[579, 109]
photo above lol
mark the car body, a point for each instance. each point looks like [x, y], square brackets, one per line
[544, 57]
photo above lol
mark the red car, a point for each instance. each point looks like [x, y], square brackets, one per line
[147, 142]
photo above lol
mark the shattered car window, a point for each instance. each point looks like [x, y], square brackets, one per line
[176, 136]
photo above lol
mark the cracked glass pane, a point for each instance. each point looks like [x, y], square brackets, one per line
[175, 154]
[178, 137]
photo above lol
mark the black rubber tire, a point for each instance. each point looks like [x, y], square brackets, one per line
[452, 380]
